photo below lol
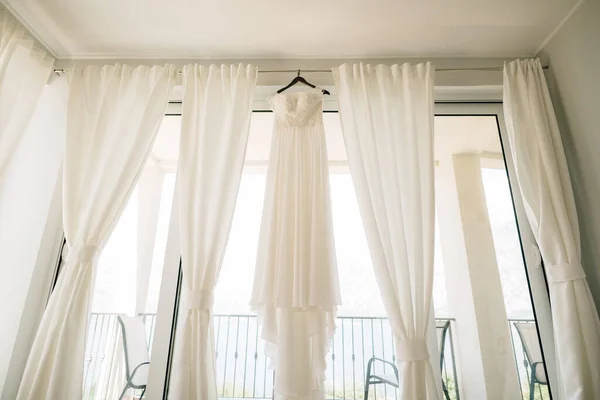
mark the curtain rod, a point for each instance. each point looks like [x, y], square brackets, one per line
[60, 71]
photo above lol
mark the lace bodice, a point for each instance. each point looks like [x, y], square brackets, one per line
[297, 109]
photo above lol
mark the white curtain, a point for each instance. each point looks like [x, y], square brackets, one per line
[217, 105]
[543, 179]
[24, 71]
[387, 122]
[113, 114]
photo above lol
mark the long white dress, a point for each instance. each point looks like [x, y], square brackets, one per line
[296, 288]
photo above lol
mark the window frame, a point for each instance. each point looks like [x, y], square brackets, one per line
[166, 317]
[534, 272]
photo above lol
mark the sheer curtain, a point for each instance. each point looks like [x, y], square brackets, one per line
[387, 123]
[24, 72]
[113, 115]
[545, 185]
[217, 105]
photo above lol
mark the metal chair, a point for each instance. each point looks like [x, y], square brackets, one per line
[375, 378]
[533, 353]
[392, 379]
[136, 353]
[442, 331]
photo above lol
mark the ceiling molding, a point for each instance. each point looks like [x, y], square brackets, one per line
[558, 27]
[47, 32]
[311, 56]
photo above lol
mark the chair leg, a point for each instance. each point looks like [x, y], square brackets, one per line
[445, 389]
[143, 392]
[124, 391]
[367, 391]
[532, 387]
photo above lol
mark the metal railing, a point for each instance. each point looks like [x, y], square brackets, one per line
[243, 369]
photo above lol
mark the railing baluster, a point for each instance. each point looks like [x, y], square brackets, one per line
[97, 357]
[383, 353]
[88, 358]
[246, 355]
[255, 361]
[235, 356]
[96, 354]
[353, 361]
[265, 380]
[226, 347]
[333, 363]
[393, 353]
[343, 361]
[362, 335]
[373, 355]
[113, 336]
[103, 348]
[273, 389]
[88, 339]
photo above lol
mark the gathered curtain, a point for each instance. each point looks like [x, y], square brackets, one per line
[543, 179]
[24, 72]
[113, 115]
[387, 124]
[215, 122]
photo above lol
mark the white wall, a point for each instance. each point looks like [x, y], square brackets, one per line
[574, 79]
[25, 200]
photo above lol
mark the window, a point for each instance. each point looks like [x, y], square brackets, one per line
[480, 284]
[363, 329]
[128, 280]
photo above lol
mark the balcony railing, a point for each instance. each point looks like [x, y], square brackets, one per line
[243, 370]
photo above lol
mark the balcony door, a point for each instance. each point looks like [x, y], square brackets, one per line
[488, 282]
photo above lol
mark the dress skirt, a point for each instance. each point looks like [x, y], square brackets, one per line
[296, 290]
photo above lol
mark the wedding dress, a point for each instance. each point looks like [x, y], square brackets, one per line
[296, 289]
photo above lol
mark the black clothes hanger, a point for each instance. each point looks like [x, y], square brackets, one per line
[299, 79]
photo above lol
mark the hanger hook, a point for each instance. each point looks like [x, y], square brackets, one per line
[298, 72]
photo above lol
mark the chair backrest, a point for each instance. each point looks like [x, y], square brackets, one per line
[441, 329]
[531, 343]
[135, 347]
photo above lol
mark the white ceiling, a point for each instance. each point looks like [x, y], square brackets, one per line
[290, 29]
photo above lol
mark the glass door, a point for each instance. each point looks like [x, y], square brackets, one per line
[494, 280]
[490, 294]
